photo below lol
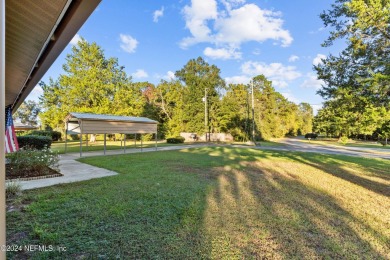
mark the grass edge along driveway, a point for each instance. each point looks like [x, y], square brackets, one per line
[214, 202]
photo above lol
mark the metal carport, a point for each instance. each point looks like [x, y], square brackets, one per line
[86, 123]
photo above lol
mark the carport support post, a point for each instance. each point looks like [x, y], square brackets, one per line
[156, 141]
[135, 140]
[81, 144]
[124, 143]
[104, 143]
[141, 142]
[2, 128]
[66, 136]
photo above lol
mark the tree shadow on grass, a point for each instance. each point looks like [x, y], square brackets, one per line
[232, 208]
[334, 166]
[267, 213]
[330, 164]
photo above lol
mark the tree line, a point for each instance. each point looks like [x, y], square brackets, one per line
[357, 81]
[92, 83]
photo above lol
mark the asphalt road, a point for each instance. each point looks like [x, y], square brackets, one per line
[296, 144]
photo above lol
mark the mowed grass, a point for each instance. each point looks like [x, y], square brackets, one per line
[214, 203]
[74, 146]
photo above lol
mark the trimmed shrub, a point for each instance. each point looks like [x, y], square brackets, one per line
[34, 141]
[311, 135]
[55, 135]
[75, 137]
[175, 140]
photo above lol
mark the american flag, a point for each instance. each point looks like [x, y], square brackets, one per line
[11, 143]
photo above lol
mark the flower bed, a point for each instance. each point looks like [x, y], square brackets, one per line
[31, 163]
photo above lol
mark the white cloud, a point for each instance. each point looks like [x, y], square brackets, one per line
[318, 59]
[293, 58]
[196, 17]
[75, 39]
[229, 4]
[222, 53]
[318, 30]
[238, 79]
[291, 97]
[277, 72]
[312, 81]
[250, 23]
[169, 76]
[139, 74]
[157, 14]
[128, 43]
[232, 25]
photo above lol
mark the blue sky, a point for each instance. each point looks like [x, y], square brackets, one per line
[153, 39]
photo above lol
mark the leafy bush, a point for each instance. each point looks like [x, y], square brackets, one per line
[75, 137]
[147, 137]
[32, 160]
[55, 135]
[34, 141]
[311, 135]
[175, 140]
[344, 140]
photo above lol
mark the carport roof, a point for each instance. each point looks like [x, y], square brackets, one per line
[101, 117]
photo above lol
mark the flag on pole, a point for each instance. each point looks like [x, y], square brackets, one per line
[11, 143]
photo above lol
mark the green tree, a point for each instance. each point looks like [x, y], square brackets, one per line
[358, 80]
[200, 78]
[234, 115]
[170, 100]
[305, 118]
[364, 66]
[90, 83]
[28, 112]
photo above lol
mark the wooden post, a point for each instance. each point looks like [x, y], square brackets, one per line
[87, 143]
[135, 140]
[141, 142]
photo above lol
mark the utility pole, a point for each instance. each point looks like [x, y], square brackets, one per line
[206, 116]
[253, 115]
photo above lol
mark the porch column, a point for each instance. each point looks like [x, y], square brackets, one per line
[2, 128]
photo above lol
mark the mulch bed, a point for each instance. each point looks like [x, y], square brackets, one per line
[29, 173]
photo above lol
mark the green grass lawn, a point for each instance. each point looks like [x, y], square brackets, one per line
[213, 203]
[74, 146]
